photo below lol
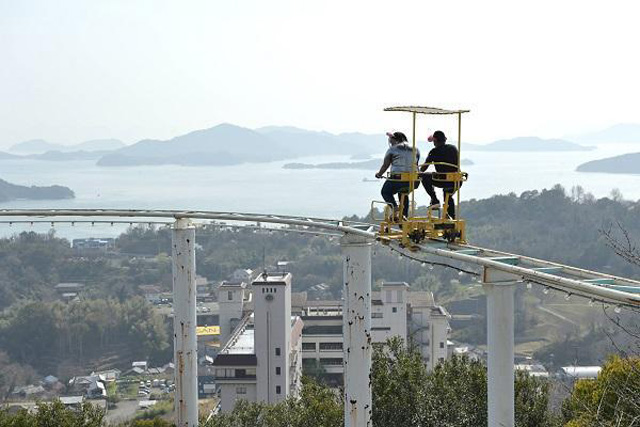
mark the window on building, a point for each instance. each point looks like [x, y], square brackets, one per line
[241, 390]
[278, 389]
[399, 295]
[277, 370]
[389, 296]
[394, 309]
[330, 346]
[229, 295]
[441, 344]
[308, 346]
[376, 315]
[277, 351]
[332, 361]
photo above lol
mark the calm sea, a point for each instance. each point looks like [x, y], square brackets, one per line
[268, 188]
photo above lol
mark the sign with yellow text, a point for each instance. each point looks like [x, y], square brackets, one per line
[207, 330]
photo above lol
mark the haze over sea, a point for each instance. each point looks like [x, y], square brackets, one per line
[268, 188]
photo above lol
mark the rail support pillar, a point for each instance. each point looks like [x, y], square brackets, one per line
[499, 288]
[184, 323]
[356, 318]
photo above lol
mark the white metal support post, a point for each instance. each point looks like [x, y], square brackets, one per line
[357, 330]
[499, 287]
[184, 323]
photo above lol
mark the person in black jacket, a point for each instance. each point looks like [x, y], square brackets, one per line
[445, 153]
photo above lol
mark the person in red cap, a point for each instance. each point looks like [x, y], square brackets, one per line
[441, 153]
[400, 157]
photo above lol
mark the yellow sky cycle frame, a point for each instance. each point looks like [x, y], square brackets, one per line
[415, 229]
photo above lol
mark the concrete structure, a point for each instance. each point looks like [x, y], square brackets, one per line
[428, 327]
[184, 323]
[590, 284]
[231, 299]
[499, 287]
[272, 317]
[356, 328]
[395, 311]
[262, 358]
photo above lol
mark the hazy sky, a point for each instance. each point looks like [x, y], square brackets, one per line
[72, 70]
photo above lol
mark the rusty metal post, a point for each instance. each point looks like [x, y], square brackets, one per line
[185, 348]
[356, 326]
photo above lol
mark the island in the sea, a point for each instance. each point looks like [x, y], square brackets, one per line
[9, 192]
[528, 144]
[626, 163]
[366, 165]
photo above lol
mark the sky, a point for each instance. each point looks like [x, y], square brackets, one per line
[74, 70]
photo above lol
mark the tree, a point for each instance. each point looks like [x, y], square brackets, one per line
[54, 414]
[317, 406]
[613, 399]
[454, 394]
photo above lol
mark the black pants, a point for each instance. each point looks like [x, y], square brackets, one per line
[391, 188]
[448, 187]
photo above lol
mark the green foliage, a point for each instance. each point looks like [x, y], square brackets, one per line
[317, 406]
[55, 415]
[40, 334]
[160, 408]
[155, 422]
[613, 399]
[454, 394]
[29, 263]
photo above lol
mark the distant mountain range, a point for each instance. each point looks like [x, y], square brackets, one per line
[40, 146]
[626, 163]
[10, 192]
[228, 144]
[530, 143]
[620, 133]
[366, 165]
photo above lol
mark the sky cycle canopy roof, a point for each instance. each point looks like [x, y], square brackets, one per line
[425, 110]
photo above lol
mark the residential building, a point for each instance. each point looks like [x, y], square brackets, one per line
[93, 245]
[152, 293]
[69, 291]
[203, 289]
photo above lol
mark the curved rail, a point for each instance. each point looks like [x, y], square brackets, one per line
[572, 285]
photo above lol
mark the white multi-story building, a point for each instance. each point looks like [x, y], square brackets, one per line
[395, 311]
[265, 353]
[231, 300]
[262, 359]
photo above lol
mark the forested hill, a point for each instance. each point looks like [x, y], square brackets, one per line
[10, 192]
[556, 226]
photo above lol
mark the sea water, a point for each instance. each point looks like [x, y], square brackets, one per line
[269, 188]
